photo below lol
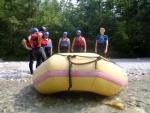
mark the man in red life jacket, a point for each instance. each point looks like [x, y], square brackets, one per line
[37, 43]
[79, 43]
[27, 45]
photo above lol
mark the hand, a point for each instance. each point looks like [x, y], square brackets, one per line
[85, 51]
[29, 48]
[58, 51]
[72, 51]
[39, 45]
[105, 51]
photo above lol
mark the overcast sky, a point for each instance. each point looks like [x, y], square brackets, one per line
[73, 1]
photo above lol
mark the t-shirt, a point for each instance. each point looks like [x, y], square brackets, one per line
[102, 38]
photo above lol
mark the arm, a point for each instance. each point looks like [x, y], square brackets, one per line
[59, 45]
[51, 51]
[72, 45]
[39, 39]
[96, 46]
[106, 49]
[85, 44]
[24, 42]
[68, 45]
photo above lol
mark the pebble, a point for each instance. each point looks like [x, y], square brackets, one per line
[17, 95]
[136, 110]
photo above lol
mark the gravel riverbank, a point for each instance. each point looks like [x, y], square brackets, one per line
[17, 94]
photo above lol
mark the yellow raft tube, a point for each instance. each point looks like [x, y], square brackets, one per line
[79, 72]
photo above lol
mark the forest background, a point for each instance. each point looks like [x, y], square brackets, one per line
[127, 24]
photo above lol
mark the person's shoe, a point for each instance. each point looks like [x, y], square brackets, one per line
[32, 73]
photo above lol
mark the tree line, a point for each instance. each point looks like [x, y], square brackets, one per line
[127, 24]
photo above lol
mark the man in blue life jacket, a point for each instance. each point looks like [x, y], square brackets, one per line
[79, 43]
[27, 45]
[101, 45]
[64, 44]
[37, 43]
[49, 47]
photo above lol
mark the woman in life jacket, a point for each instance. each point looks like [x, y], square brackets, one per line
[101, 45]
[27, 45]
[48, 47]
[79, 43]
[64, 44]
[38, 43]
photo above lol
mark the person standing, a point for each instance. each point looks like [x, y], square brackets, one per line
[27, 45]
[48, 48]
[42, 30]
[79, 43]
[101, 45]
[64, 44]
[37, 43]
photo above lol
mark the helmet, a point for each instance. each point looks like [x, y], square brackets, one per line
[47, 33]
[34, 30]
[65, 33]
[42, 28]
[78, 31]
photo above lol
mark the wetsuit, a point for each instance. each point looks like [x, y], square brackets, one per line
[48, 48]
[101, 46]
[64, 45]
[31, 56]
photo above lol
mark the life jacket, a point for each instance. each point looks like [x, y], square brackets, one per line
[49, 45]
[34, 38]
[43, 42]
[28, 44]
[79, 41]
[64, 42]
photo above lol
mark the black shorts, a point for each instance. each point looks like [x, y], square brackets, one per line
[78, 49]
[101, 48]
[63, 49]
[48, 52]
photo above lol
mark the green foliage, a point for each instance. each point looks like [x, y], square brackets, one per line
[127, 24]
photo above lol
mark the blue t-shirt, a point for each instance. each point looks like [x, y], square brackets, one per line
[102, 38]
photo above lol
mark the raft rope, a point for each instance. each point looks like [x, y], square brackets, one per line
[71, 63]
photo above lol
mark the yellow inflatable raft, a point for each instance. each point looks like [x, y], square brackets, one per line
[79, 72]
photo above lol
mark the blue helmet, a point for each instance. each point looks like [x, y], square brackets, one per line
[47, 33]
[78, 31]
[65, 33]
[34, 30]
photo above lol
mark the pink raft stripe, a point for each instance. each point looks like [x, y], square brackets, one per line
[82, 73]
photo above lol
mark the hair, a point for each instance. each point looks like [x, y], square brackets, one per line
[102, 28]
